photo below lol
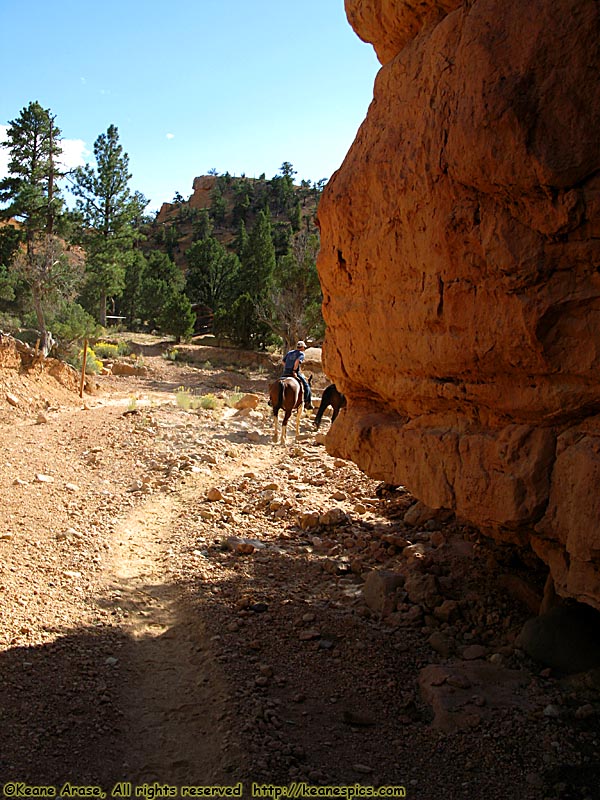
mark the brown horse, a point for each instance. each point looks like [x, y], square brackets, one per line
[331, 397]
[286, 393]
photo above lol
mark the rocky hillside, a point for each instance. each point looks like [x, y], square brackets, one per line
[228, 201]
[460, 251]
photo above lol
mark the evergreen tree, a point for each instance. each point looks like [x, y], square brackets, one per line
[160, 280]
[218, 207]
[109, 213]
[172, 236]
[130, 299]
[10, 237]
[202, 226]
[30, 189]
[296, 296]
[281, 234]
[241, 240]
[252, 309]
[176, 316]
[212, 274]
[258, 258]
[32, 198]
[295, 217]
[7, 292]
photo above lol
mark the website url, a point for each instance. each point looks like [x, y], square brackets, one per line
[301, 789]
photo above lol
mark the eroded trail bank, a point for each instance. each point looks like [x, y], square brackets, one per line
[183, 602]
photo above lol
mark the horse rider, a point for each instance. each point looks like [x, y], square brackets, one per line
[292, 361]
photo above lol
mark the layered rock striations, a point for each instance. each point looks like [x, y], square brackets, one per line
[460, 265]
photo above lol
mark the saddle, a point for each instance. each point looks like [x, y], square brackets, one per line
[299, 382]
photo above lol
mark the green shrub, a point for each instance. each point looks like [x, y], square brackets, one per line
[234, 397]
[184, 398]
[209, 402]
[8, 322]
[106, 350]
[123, 348]
[72, 323]
[189, 402]
[92, 364]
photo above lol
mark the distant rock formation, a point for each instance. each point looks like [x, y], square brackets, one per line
[460, 265]
[201, 197]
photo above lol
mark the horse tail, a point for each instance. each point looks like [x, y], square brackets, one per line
[279, 398]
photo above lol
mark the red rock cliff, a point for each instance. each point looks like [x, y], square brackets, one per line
[460, 265]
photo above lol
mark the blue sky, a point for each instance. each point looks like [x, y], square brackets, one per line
[235, 85]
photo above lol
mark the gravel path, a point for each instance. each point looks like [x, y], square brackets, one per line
[183, 602]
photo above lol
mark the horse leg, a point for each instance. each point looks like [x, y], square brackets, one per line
[284, 425]
[320, 412]
[275, 431]
[298, 415]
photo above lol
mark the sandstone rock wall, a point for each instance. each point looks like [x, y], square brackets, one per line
[460, 265]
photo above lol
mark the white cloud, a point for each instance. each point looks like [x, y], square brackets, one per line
[74, 153]
[170, 135]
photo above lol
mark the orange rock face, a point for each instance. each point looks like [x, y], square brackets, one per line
[389, 24]
[460, 265]
[201, 197]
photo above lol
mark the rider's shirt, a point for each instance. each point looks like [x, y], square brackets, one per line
[290, 360]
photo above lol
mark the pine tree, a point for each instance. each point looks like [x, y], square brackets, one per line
[296, 296]
[218, 207]
[258, 258]
[160, 280]
[30, 189]
[32, 198]
[202, 226]
[252, 309]
[212, 273]
[241, 240]
[177, 317]
[130, 299]
[109, 211]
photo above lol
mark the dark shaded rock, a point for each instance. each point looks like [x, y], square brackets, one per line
[567, 638]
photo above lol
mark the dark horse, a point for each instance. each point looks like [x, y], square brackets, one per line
[331, 397]
[288, 394]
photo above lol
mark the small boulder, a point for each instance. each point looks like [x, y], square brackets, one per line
[380, 588]
[423, 590]
[250, 401]
[309, 519]
[441, 643]
[419, 514]
[333, 517]
[566, 638]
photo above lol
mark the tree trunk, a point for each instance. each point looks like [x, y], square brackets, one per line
[41, 320]
[102, 312]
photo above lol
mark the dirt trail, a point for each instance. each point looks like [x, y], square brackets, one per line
[169, 682]
[149, 633]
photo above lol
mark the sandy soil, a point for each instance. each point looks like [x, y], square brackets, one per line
[171, 612]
